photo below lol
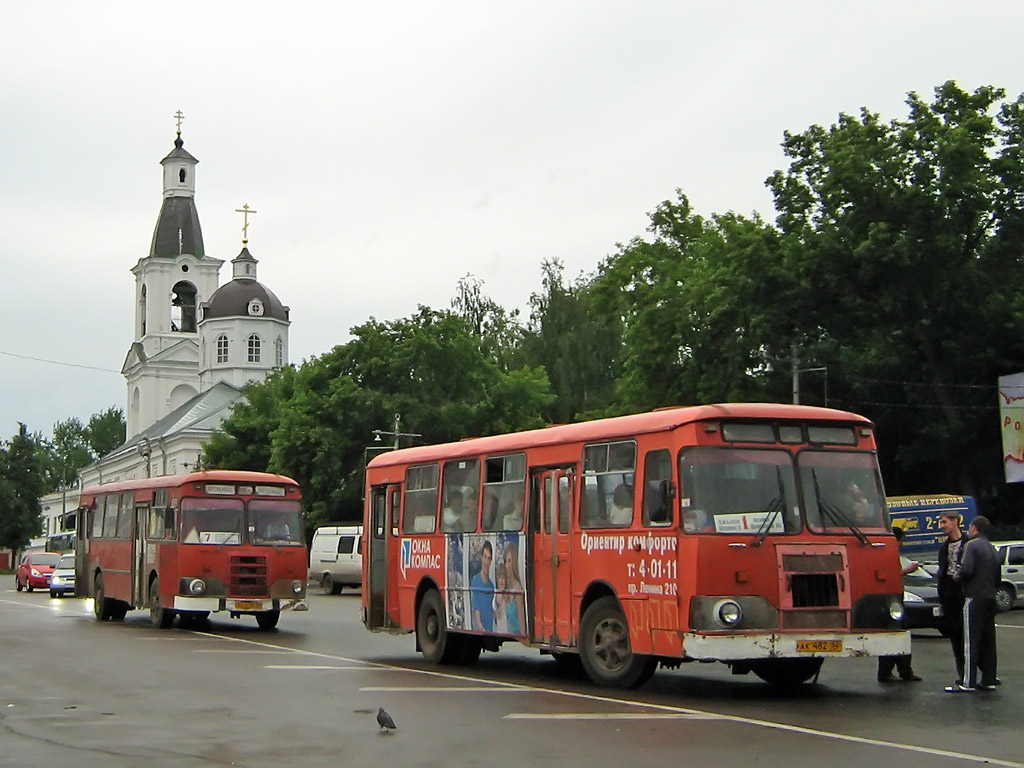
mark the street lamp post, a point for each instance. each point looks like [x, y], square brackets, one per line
[397, 433]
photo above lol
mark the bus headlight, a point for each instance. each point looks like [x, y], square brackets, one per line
[728, 613]
[896, 610]
[196, 587]
[297, 587]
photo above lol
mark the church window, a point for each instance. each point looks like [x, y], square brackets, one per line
[142, 311]
[254, 348]
[181, 175]
[183, 307]
[222, 348]
[279, 352]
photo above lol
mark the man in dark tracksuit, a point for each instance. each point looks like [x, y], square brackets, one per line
[950, 595]
[979, 578]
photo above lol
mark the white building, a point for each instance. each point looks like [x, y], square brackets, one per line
[195, 344]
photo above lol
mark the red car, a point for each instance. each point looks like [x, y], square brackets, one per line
[34, 570]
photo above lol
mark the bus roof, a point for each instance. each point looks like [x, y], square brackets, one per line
[617, 426]
[207, 475]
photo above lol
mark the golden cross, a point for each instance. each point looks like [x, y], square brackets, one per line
[245, 210]
[179, 118]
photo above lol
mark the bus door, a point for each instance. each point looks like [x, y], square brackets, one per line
[550, 507]
[382, 570]
[139, 587]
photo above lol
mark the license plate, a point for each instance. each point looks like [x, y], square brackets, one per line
[819, 646]
[248, 605]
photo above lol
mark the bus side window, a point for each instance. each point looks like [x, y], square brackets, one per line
[421, 495]
[110, 516]
[97, 518]
[658, 490]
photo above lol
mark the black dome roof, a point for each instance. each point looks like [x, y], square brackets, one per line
[232, 300]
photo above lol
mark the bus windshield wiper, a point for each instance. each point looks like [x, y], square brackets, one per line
[835, 513]
[774, 507]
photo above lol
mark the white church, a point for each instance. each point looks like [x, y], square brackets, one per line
[195, 344]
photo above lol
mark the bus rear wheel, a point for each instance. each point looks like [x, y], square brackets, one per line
[604, 648]
[159, 617]
[267, 620]
[436, 643]
[786, 672]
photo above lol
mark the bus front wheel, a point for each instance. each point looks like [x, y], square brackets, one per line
[100, 601]
[437, 645]
[267, 620]
[159, 617]
[786, 672]
[604, 648]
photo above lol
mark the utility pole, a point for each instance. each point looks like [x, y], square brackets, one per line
[397, 433]
[797, 370]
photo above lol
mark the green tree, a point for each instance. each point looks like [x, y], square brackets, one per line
[106, 431]
[908, 237]
[22, 483]
[68, 452]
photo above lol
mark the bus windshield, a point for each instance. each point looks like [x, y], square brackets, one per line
[842, 492]
[738, 490]
[211, 521]
[275, 521]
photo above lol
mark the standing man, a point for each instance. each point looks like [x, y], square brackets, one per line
[950, 595]
[901, 663]
[979, 578]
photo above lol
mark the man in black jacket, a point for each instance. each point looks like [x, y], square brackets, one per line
[979, 578]
[951, 597]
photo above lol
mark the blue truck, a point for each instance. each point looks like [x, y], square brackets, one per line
[918, 516]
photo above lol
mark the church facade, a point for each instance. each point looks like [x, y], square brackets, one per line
[195, 343]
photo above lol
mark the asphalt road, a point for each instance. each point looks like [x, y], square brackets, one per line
[76, 692]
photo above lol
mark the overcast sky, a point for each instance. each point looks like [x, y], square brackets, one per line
[391, 148]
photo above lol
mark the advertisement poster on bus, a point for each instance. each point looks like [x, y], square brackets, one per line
[485, 584]
[1011, 417]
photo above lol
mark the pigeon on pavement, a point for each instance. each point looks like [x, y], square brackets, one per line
[384, 720]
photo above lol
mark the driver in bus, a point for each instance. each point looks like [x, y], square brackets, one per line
[277, 528]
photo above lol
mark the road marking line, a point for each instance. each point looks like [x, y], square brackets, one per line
[611, 716]
[829, 735]
[307, 666]
[442, 689]
[234, 650]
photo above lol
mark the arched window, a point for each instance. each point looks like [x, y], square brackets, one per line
[183, 307]
[181, 175]
[279, 352]
[254, 348]
[222, 348]
[142, 311]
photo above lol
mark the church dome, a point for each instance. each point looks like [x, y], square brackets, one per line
[244, 297]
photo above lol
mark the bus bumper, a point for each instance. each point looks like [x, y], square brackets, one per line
[794, 646]
[215, 604]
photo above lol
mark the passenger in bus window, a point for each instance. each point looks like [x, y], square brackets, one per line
[621, 510]
[457, 516]
[276, 528]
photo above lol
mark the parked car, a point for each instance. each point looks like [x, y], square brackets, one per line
[1011, 588]
[34, 570]
[62, 580]
[336, 557]
[921, 607]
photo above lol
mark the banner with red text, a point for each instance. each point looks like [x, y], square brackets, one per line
[1011, 415]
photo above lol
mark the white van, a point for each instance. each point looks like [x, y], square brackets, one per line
[336, 557]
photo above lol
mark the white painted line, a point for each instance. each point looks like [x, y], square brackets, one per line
[307, 666]
[286, 652]
[444, 689]
[611, 716]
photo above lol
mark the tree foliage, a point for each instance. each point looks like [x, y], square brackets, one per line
[22, 483]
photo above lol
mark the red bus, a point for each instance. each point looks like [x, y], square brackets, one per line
[190, 545]
[751, 534]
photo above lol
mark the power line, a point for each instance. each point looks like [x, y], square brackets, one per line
[58, 362]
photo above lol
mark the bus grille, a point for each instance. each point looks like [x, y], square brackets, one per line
[248, 576]
[814, 590]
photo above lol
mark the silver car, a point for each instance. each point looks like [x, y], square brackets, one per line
[1011, 588]
[62, 581]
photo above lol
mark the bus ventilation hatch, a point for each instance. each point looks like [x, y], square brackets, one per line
[249, 576]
